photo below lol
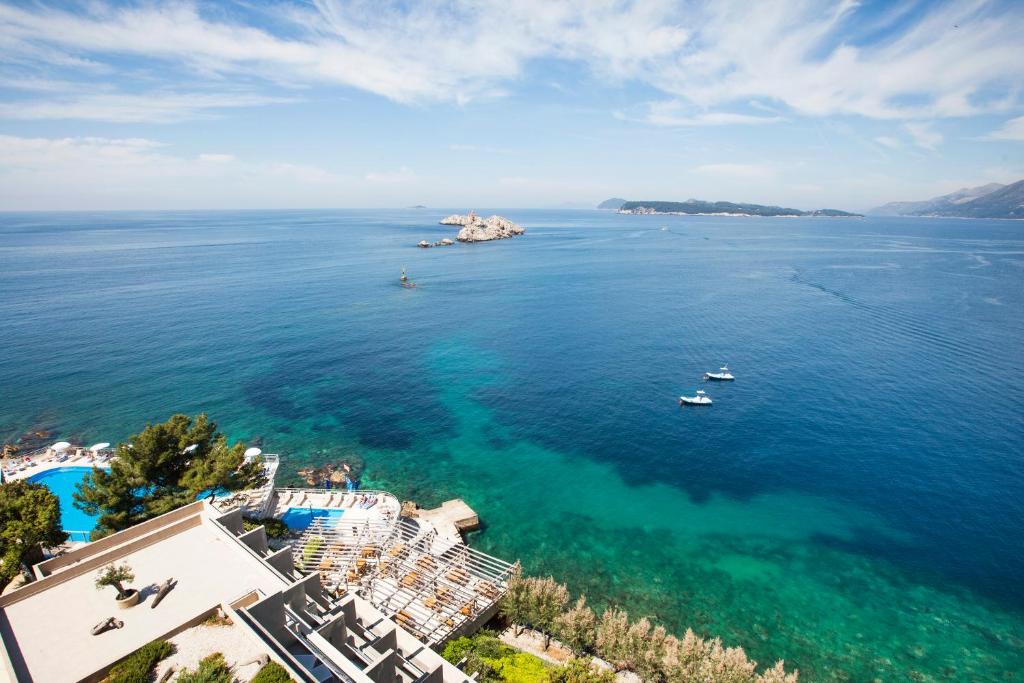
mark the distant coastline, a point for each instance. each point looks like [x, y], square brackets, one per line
[696, 207]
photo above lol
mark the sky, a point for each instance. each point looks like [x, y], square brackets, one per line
[505, 103]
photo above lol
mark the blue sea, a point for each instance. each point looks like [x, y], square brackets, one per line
[853, 503]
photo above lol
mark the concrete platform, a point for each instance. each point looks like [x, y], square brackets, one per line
[451, 520]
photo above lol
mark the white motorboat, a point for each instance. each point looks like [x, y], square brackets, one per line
[723, 375]
[701, 399]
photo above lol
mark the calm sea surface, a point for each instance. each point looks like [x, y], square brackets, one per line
[853, 503]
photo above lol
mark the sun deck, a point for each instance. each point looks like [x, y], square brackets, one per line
[45, 626]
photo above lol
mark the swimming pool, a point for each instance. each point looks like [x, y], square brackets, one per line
[62, 481]
[298, 519]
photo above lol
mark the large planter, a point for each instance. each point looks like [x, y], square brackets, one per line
[130, 599]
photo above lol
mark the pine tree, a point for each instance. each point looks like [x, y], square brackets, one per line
[29, 516]
[164, 467]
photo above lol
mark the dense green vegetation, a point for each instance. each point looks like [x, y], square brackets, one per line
[212, 669]
[696, 206]
[138, 666]
[493, 661]
[579, 670]
[29, 517]
[165, 466]
[272, 672]
[648, 650]
[275, 527]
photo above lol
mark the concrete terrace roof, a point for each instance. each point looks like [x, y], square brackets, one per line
[45, 626]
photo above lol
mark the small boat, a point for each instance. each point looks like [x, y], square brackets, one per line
[701, 399]
[723, 375]
[423, 244]
[405, 281]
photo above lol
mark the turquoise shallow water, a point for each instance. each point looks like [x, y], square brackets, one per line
[852, 503]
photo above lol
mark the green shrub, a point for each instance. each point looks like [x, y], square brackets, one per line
[485, 673]
[138, 666]
[494, 661]
[580, 670]
[212, 669]
[521, 667]
[485, 644]
[275, 527]
[272, 672]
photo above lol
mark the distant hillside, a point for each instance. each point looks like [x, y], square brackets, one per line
[696, 206]
[935, 204]
[614, 203]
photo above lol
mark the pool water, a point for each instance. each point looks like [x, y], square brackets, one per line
[62, 481]
[299, 519]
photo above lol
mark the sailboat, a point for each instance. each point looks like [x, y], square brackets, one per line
[405, 281]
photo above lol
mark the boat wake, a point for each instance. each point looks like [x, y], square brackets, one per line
[900, 323]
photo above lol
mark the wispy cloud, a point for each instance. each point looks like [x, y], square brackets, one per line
[1011, 130]
[924, 135]
[678, 114]
[153, 107]
[888, 141]
[952, 59]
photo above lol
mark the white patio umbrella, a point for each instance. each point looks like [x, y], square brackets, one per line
[96, 448]
[61, 446]
[252, 452]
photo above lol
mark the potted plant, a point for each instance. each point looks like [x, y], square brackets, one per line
[116, 576]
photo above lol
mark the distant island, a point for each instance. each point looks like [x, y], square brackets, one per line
[615, 203]
[703, 208]
[986, 201]
[477, 229]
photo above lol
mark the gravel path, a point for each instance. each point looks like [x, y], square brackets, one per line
[201, 641]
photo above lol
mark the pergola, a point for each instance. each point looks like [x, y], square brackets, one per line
[431, 586]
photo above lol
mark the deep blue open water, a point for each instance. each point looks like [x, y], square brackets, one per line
[853, 503]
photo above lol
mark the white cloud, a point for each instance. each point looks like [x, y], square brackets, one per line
[924, 135]
[1011, 130]
[677, 114]
[890, 142]
[806, 55]
[158, 107]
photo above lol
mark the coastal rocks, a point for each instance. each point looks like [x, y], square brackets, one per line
[477, 229]
[423, 244]
[338, 474]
